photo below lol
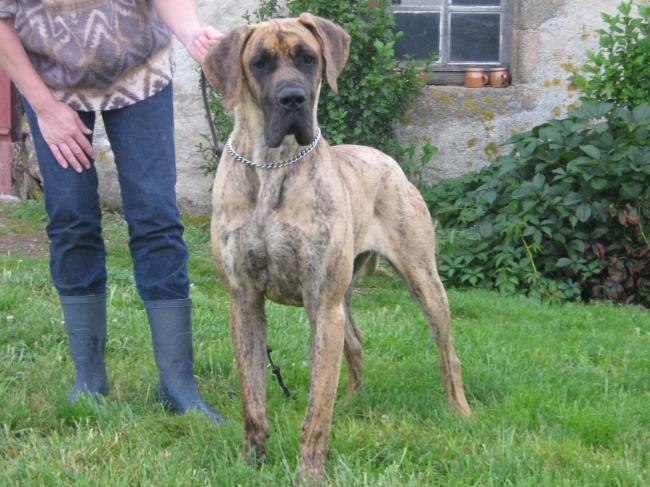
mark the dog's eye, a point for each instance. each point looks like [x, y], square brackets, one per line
[308, 59]
[260, 64]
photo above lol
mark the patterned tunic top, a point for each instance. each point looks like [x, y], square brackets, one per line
[95, 54]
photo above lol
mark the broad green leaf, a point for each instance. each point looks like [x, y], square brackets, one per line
[529, 231]
[528, 148]
[591, 151]
[631, 189]
[488, 197]
[641, 113]
[583, 212]
[538, 181]
[551, 134]
[485, 228]
[598, 184]
[506, 164]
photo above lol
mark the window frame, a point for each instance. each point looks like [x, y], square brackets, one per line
[448, 72]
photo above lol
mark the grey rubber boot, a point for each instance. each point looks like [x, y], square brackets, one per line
[85, 323]
[171, 333]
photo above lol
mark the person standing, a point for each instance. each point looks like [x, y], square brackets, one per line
[73, 60]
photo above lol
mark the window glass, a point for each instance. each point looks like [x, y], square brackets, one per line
[476, 3]
[474, 37]
[422, 34]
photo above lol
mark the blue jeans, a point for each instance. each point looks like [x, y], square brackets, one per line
[142, 139]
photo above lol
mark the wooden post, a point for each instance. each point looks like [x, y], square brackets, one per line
[6, 118]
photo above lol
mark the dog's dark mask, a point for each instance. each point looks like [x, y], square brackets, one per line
[286, 72]
[279, 63]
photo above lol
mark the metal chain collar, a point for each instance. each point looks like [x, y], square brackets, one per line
[274, 165]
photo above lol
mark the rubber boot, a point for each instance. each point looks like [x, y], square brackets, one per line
[85, 322]
[171, 333]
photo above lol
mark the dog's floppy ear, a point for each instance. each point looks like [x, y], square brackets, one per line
[223, 65]
[334, 42]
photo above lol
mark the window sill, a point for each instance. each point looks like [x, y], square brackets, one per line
[451, 75]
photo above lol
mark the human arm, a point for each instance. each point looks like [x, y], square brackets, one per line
[60, 125]
[181, 17]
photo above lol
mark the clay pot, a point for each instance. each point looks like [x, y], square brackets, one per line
[500, 77]
[475, 78]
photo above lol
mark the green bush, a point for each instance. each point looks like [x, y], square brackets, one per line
[375, 90]
[620, 71]
[563, 216]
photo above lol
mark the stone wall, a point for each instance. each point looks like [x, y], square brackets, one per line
[550, 40]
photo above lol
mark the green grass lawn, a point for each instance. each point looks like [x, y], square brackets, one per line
[560, 393]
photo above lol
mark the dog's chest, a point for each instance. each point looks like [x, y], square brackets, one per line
[263, 243]
[276, 235]
[268, 253]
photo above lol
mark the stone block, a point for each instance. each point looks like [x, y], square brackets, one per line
[525, 55]
[531, 14]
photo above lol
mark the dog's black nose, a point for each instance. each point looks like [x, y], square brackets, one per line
[292, 97]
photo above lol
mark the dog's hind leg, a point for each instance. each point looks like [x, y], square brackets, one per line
[353, 347]
[425, 285]
[248, 331]
[410, 247]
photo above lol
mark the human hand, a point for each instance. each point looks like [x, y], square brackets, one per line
[201, 40]
[65, 135]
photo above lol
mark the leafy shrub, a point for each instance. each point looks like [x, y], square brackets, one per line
[620, 71]
[375, 90]
[564, 215]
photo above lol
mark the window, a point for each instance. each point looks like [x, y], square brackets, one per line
[458, 33]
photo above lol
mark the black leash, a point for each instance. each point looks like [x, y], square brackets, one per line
[217, 148]
[278, 375]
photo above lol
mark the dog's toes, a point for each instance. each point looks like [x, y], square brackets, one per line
[461, 407]
[254, 454]
[351, 388]
[313, 478]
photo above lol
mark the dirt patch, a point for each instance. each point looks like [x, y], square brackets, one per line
[29, 243]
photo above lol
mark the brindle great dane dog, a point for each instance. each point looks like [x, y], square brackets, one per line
[296, 234]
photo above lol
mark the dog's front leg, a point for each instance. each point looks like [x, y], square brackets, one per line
[327, 339]
[248, 332]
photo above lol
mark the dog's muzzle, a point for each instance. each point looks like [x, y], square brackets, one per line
[290, 114]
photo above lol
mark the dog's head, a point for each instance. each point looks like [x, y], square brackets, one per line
[280, 64]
